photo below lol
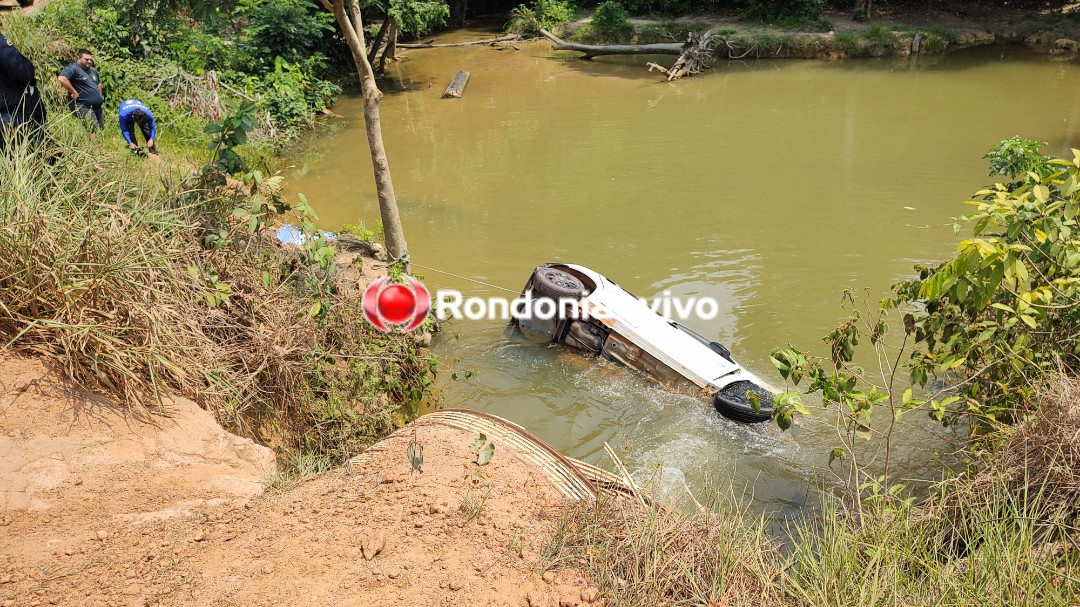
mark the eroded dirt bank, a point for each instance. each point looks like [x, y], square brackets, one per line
[99, 509]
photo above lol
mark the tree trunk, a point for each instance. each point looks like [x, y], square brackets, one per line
[377, 43]
[391, 47]
[695, 55]
[595, 50]
[353, 30]
[862, 10]
[458, 10]
[457, 85]
[488, 41]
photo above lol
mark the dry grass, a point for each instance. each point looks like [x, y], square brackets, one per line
[654, 556]
[103, 271]
[1005, 534]
[1036, 461]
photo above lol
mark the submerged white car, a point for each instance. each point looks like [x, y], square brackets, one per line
[580, 308]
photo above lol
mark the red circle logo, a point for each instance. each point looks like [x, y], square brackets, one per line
[397, 304]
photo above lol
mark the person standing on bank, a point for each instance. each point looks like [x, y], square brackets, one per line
[20, 100]
[84, 89]
[133, 112]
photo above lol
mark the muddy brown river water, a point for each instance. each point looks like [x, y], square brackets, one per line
[770, 186]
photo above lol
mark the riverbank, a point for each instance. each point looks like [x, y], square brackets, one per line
[900, 30]
[101, 509]
[275, 340]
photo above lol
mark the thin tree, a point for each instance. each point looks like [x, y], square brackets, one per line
[352, 28]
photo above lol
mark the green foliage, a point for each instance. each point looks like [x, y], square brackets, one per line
[792, 14]
[230, 133]
[276, 52]
[1016, 156]
[417, 16]
[611, 22]
[294, 30]
[940, 34]
[543, 14]
[847, 39]
[991, 324]
[880, 40]
[361, 232]
[197, 51]
[483, 452]
[768, 43]
[184, 291]
[1003, 312]
[291, 95]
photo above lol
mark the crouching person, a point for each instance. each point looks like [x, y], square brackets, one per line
[132, 113]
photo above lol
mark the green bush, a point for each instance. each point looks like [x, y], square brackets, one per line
[277, 52]
[413, 17]
[847, 40]
[294, 30]
[1015, 156]
[993, 324]
[543, 14]
[292, 96]
[611, 22]
[880, 40]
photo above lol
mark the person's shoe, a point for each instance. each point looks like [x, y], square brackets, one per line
[153, 149]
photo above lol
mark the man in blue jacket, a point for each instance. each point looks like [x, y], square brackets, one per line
[20, 100]
[133, 112]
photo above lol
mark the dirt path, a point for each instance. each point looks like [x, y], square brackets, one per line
[26, 10]
[98, 509]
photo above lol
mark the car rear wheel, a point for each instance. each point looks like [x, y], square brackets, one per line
[733, 403]
[557, 284]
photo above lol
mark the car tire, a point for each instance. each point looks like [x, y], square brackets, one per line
[557, 284]
[732, 403]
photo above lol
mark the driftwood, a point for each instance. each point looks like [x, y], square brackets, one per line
[695, 55]
[595, 50]
[457, 85]
[491, 41]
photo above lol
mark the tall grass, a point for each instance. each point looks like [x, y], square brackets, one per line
[1005, 533]
[652, 556]
[105, 269]
[89, 249]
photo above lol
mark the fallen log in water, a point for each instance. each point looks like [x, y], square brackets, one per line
[695, 55]
[596, 50]
[457, 85]
[473, 43]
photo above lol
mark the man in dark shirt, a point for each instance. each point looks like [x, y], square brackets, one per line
[20, 100]
[84, 89]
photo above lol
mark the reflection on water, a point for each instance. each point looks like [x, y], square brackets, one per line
[770, 186]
